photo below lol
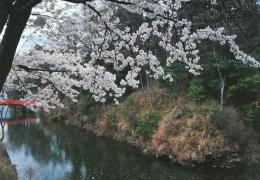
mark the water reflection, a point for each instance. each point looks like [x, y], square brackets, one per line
[26, 122]
[49, 151]
[5, 112]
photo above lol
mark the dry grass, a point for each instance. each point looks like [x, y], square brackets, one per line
[185, 130]
[102, 123]
[159, 136]
[193, 136]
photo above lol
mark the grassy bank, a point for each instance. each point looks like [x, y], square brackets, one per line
[164, 125]
[7, 171]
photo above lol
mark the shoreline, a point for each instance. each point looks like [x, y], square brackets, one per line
[181, 131]
[224, 160]
[7, 169]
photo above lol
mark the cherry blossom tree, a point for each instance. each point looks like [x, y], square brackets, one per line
[85, 46]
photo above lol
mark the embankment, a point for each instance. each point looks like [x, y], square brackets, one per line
[7, 170]
[187, 133]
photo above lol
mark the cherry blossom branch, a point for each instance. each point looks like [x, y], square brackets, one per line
[85, 1]
[37, 69]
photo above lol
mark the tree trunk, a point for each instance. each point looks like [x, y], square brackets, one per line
[2, 133]
[222, 89]
[3, 15]
[222, 81]
[15, 27]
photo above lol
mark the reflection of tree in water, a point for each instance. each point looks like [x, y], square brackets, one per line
[101, 158]
[4, 114]
[91, 156]
[35, 142]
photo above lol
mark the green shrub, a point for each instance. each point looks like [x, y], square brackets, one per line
[212, 106]
[129, 110]
[147, 123]
[251, 114]
[57, 119]
[196, 91]
[112, 120]
[248, 112]
[180, 80]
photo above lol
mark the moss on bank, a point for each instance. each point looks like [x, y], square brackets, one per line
[7, 170]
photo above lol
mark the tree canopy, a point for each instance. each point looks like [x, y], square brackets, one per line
[103, 45]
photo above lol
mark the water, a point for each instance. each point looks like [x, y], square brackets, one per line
[5, 112]
[48, 151]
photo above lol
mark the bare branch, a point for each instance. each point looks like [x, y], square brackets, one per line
[28, 69]
[85, 1]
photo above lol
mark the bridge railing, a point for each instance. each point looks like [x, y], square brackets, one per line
[17, 102]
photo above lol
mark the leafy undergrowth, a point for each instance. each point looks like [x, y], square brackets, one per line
[7, 171]
[164, 125]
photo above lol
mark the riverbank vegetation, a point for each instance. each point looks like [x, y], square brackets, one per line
[7, 171]
[183, 126]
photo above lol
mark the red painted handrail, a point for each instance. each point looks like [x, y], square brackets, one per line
[16, 102]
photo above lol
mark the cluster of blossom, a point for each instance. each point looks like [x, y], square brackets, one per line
[48, 74]
[86, 43]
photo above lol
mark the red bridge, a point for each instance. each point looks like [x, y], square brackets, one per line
[17, 102]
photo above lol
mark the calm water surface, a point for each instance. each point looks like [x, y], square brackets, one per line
[45, 151]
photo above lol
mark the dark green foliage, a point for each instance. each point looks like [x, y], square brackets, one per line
[57, 119]
[112, 120]
[242, 22]
[196, 91]
[88, 106]
[147, 123]
[129, 109]
[248, 112]
[213, 107]
[251, 113]
[180, 78]
[246, 87]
